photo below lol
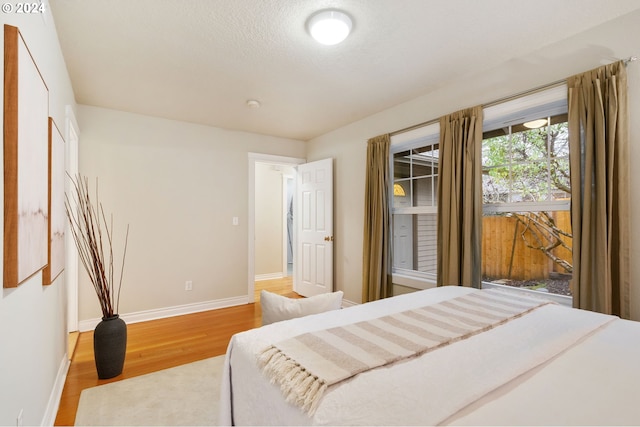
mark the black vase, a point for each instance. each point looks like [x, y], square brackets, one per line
[110, 346]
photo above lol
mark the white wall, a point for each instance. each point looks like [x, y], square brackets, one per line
[32, 317]
[178, 185]
[614, 40]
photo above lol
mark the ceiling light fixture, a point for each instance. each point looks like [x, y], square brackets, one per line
[535, 124]
[252, 103]
[329, 27]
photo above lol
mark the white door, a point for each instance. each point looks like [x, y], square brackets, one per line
[314, 226]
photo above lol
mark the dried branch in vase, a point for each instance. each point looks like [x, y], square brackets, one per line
[88, 225]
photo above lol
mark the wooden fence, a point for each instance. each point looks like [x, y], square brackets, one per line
[506, 256]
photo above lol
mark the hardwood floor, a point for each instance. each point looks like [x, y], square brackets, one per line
[165, 343]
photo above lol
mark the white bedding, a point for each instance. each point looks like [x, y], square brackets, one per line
[554, 366]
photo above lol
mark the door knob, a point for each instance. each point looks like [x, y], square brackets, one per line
[328, 239]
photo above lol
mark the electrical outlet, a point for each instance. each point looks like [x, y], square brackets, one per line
[19, 418]
[188, 285]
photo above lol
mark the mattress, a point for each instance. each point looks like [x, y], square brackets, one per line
[555, 365]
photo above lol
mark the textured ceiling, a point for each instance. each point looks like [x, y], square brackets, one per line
[200, 60]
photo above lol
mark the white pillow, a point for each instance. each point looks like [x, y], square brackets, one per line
[277, 307]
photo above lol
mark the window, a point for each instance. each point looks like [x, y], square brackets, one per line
[414, 165]
[526, 231]
[526, 192]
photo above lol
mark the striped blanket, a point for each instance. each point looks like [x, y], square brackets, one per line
[305, 365]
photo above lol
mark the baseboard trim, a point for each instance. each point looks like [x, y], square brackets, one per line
[346, 303]
[53, 404]
[161, 313]
[268, 276]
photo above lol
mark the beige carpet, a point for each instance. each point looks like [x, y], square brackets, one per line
[184, 395]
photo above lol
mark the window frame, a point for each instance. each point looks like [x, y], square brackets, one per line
[545, 103]
[425, 136]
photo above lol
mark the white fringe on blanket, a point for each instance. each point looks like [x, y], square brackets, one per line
[298, 385]
[304, 366]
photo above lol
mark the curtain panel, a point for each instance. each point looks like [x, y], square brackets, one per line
[460, 199]
[376, 271]
[599, 144]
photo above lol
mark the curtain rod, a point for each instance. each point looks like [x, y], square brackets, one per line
[489, 104]
[501, 100]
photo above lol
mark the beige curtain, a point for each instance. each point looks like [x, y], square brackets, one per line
[376, 280]
[460, 199]
[599, 140]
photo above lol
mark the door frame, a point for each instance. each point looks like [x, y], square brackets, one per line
[251, 215]
[71, 268]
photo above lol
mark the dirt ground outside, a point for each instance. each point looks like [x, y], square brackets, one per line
[559, 286]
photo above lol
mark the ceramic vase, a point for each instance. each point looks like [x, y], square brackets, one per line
[110, 346]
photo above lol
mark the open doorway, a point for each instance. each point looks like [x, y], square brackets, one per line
[271, 218]
[289, 183]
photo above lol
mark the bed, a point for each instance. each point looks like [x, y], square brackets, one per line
[550, 365]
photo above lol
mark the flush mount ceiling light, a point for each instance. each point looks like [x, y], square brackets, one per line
[252, 103]
[329, 27]
[535, 124]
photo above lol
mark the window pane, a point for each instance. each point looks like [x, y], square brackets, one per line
[559, 140]
[530, 182]
[495, 151]
[402, 194]
[527, 165]
[428, 151]
[495, 185]
[422, 168]
[403, 241]
[561, 185]
[424, 192]
[427, 242]
[529, 250]
[415, 242]
[529, 145]
[401, 165]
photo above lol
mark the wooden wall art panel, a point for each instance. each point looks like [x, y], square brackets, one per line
[26, 177]
[57, 216]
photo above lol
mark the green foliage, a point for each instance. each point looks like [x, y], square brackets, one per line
[531, 165]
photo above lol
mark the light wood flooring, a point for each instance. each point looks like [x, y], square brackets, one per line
[165, 343]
